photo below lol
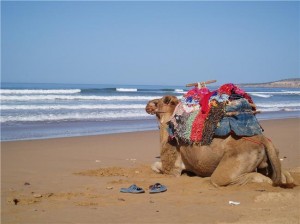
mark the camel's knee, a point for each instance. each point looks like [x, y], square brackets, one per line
[157, 167]
[219, 180]
[217, 183]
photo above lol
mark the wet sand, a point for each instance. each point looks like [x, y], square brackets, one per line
[78, 180]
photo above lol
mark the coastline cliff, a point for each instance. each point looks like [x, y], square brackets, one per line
[285, 83]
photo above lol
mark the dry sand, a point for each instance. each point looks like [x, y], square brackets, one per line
[77, 180]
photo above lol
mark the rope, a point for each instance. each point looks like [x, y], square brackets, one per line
[251, 140]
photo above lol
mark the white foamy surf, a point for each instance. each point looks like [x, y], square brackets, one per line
[29, 112]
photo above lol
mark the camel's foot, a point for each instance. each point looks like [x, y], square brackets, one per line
[157, 167]
[287, 181]
[242, 180]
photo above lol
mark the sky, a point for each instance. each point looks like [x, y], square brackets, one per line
[149, 43]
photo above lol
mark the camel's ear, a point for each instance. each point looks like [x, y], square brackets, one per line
[174, 101]
[151, 107]
[170, 100]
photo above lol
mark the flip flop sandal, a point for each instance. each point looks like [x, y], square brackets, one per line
[132, 189]
[157, 188]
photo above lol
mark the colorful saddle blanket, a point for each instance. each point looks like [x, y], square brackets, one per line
[202, 114]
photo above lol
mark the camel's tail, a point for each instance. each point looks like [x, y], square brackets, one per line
[274, 161]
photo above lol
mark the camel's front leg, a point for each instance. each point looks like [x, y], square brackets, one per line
[171, 162]
[157, 167]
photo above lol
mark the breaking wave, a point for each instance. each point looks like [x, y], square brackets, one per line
[180, 91]
[73, 97]
[77, 116]
[72, 107]
[290, 92]
[275, 104]
[270, 94]
[111, 103]
[261, 95]
[39, 91]
[278, 109]
[126, 90]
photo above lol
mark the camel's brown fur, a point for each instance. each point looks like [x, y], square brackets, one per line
[228, 160]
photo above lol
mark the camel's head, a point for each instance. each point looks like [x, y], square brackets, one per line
[163, 108]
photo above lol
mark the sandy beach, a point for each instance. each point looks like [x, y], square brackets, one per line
[78, 180]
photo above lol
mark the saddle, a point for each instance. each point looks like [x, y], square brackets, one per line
[203, 114]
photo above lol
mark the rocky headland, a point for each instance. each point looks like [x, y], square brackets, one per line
[285, 83]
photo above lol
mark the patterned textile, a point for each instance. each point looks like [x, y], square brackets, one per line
[232, 90]
[244, 123]
[216, 114]
[201, 115]
[194, 96]
[197, 127]
[189, 116]
[181, 124]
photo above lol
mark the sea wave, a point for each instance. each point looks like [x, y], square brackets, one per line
[100, 116]
[282, 92]
[290, 92]
[126, 90]
[77, 116]
[86, 91]
[261, 95]
[38, 91]
[72, 107]
[277, 109]
[180, 91]
[74, 97]
[275, 104]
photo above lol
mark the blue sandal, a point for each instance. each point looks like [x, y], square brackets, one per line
[132, 189]
[157, 188]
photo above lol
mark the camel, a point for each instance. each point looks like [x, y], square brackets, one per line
[230, 160]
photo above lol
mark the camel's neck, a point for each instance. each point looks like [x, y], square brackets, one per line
[164, 135]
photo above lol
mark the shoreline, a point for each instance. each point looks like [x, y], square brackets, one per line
[78, 180]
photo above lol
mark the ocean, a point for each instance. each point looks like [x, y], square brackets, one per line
[39, 111]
